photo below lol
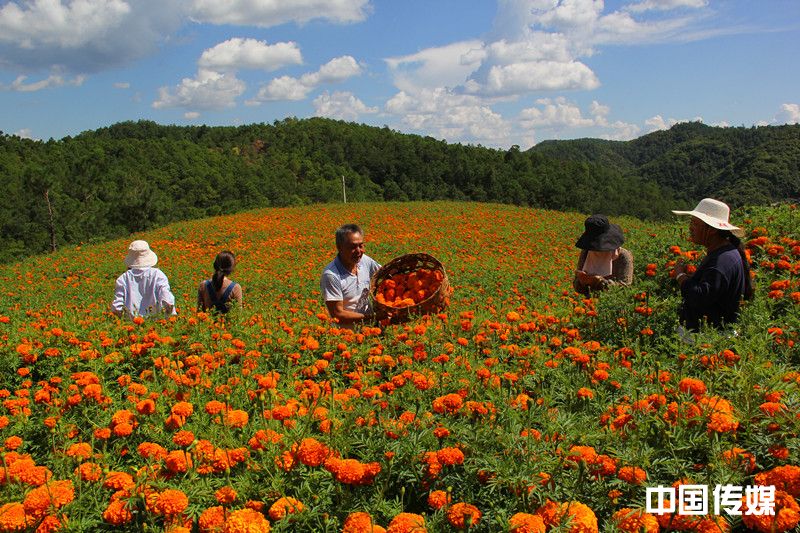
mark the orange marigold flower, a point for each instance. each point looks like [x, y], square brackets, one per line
[226, 495]
[172, 502]
[312, 452]
[146, 407]
[178, 461]
[586, 454]
[584, 393]
[183, 409]
[40, 500]
[236, 418]
[581, 519]
[211, 520]
[151, 450]
[26, 471]
[771, 408]
[463, 515]
[635, 521]
[407, 523]
[438, 499]
[117, 513]
[526, 523]
[183, 438]
[632, 474]
[214, 407]
[739, 458]
[13, 442]
[360, 522]
[81, 450]
[450, 456]
[246, 521]
[51, 524]
[12, 517]
[285, 506]
[785, 478]
[692, 386]
[348, 471]
[89, 472]
[786, 515]
[449, 403]
[122, 430]
[118, 481]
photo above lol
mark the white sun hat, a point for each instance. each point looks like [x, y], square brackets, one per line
[714, 213]
[140, 255]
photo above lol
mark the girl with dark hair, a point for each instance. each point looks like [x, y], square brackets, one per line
[219, 293]
[714, 292]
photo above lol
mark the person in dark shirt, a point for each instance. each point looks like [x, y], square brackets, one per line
[603, 262]
[713, 293]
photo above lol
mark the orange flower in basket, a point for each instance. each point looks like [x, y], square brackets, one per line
[408, 289]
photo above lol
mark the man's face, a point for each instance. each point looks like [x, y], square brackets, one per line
[697, 231]
[352, 249]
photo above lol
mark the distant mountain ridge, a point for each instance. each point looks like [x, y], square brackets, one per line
[742, 166]
[133, 176]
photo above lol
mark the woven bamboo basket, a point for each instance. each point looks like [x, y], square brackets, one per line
[435, 302]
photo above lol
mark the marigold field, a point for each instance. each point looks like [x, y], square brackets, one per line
[523, 407]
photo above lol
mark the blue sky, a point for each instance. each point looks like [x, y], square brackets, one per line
[495, 73]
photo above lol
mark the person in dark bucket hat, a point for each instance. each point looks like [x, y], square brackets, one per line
[603, 262]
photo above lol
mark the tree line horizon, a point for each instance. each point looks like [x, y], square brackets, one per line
[135, 176]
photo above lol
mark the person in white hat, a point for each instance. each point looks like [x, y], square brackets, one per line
[713, 293]
[143, 289]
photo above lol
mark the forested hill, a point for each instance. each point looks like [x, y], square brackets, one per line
[692, 160]
[137, 175]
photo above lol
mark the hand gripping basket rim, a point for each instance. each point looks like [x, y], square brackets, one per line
[434, 303]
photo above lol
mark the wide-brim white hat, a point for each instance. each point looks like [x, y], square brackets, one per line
[714, 213]
[140, 255]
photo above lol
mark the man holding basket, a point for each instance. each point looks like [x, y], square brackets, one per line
[345, 281]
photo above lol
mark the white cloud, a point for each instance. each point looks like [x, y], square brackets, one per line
[567, 13]
[451, 116]
[557, 113]
[238, 53]
[444, 66]
[621, 131]
[599, 111]
[191, 115]
[283, 88]
[340, 105]
[54, 80]
[51, 23]
[289, 88]
[83, 36]
[520, 78]
[122, 85]
[789, 114]
[536, 46]
[665, 5]
[267, 13]
[24, 133]
[659, 123]
[207, 90]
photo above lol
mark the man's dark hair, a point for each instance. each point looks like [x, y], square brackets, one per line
[343, 231]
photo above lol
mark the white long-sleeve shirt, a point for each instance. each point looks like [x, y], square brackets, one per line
[142, 292]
